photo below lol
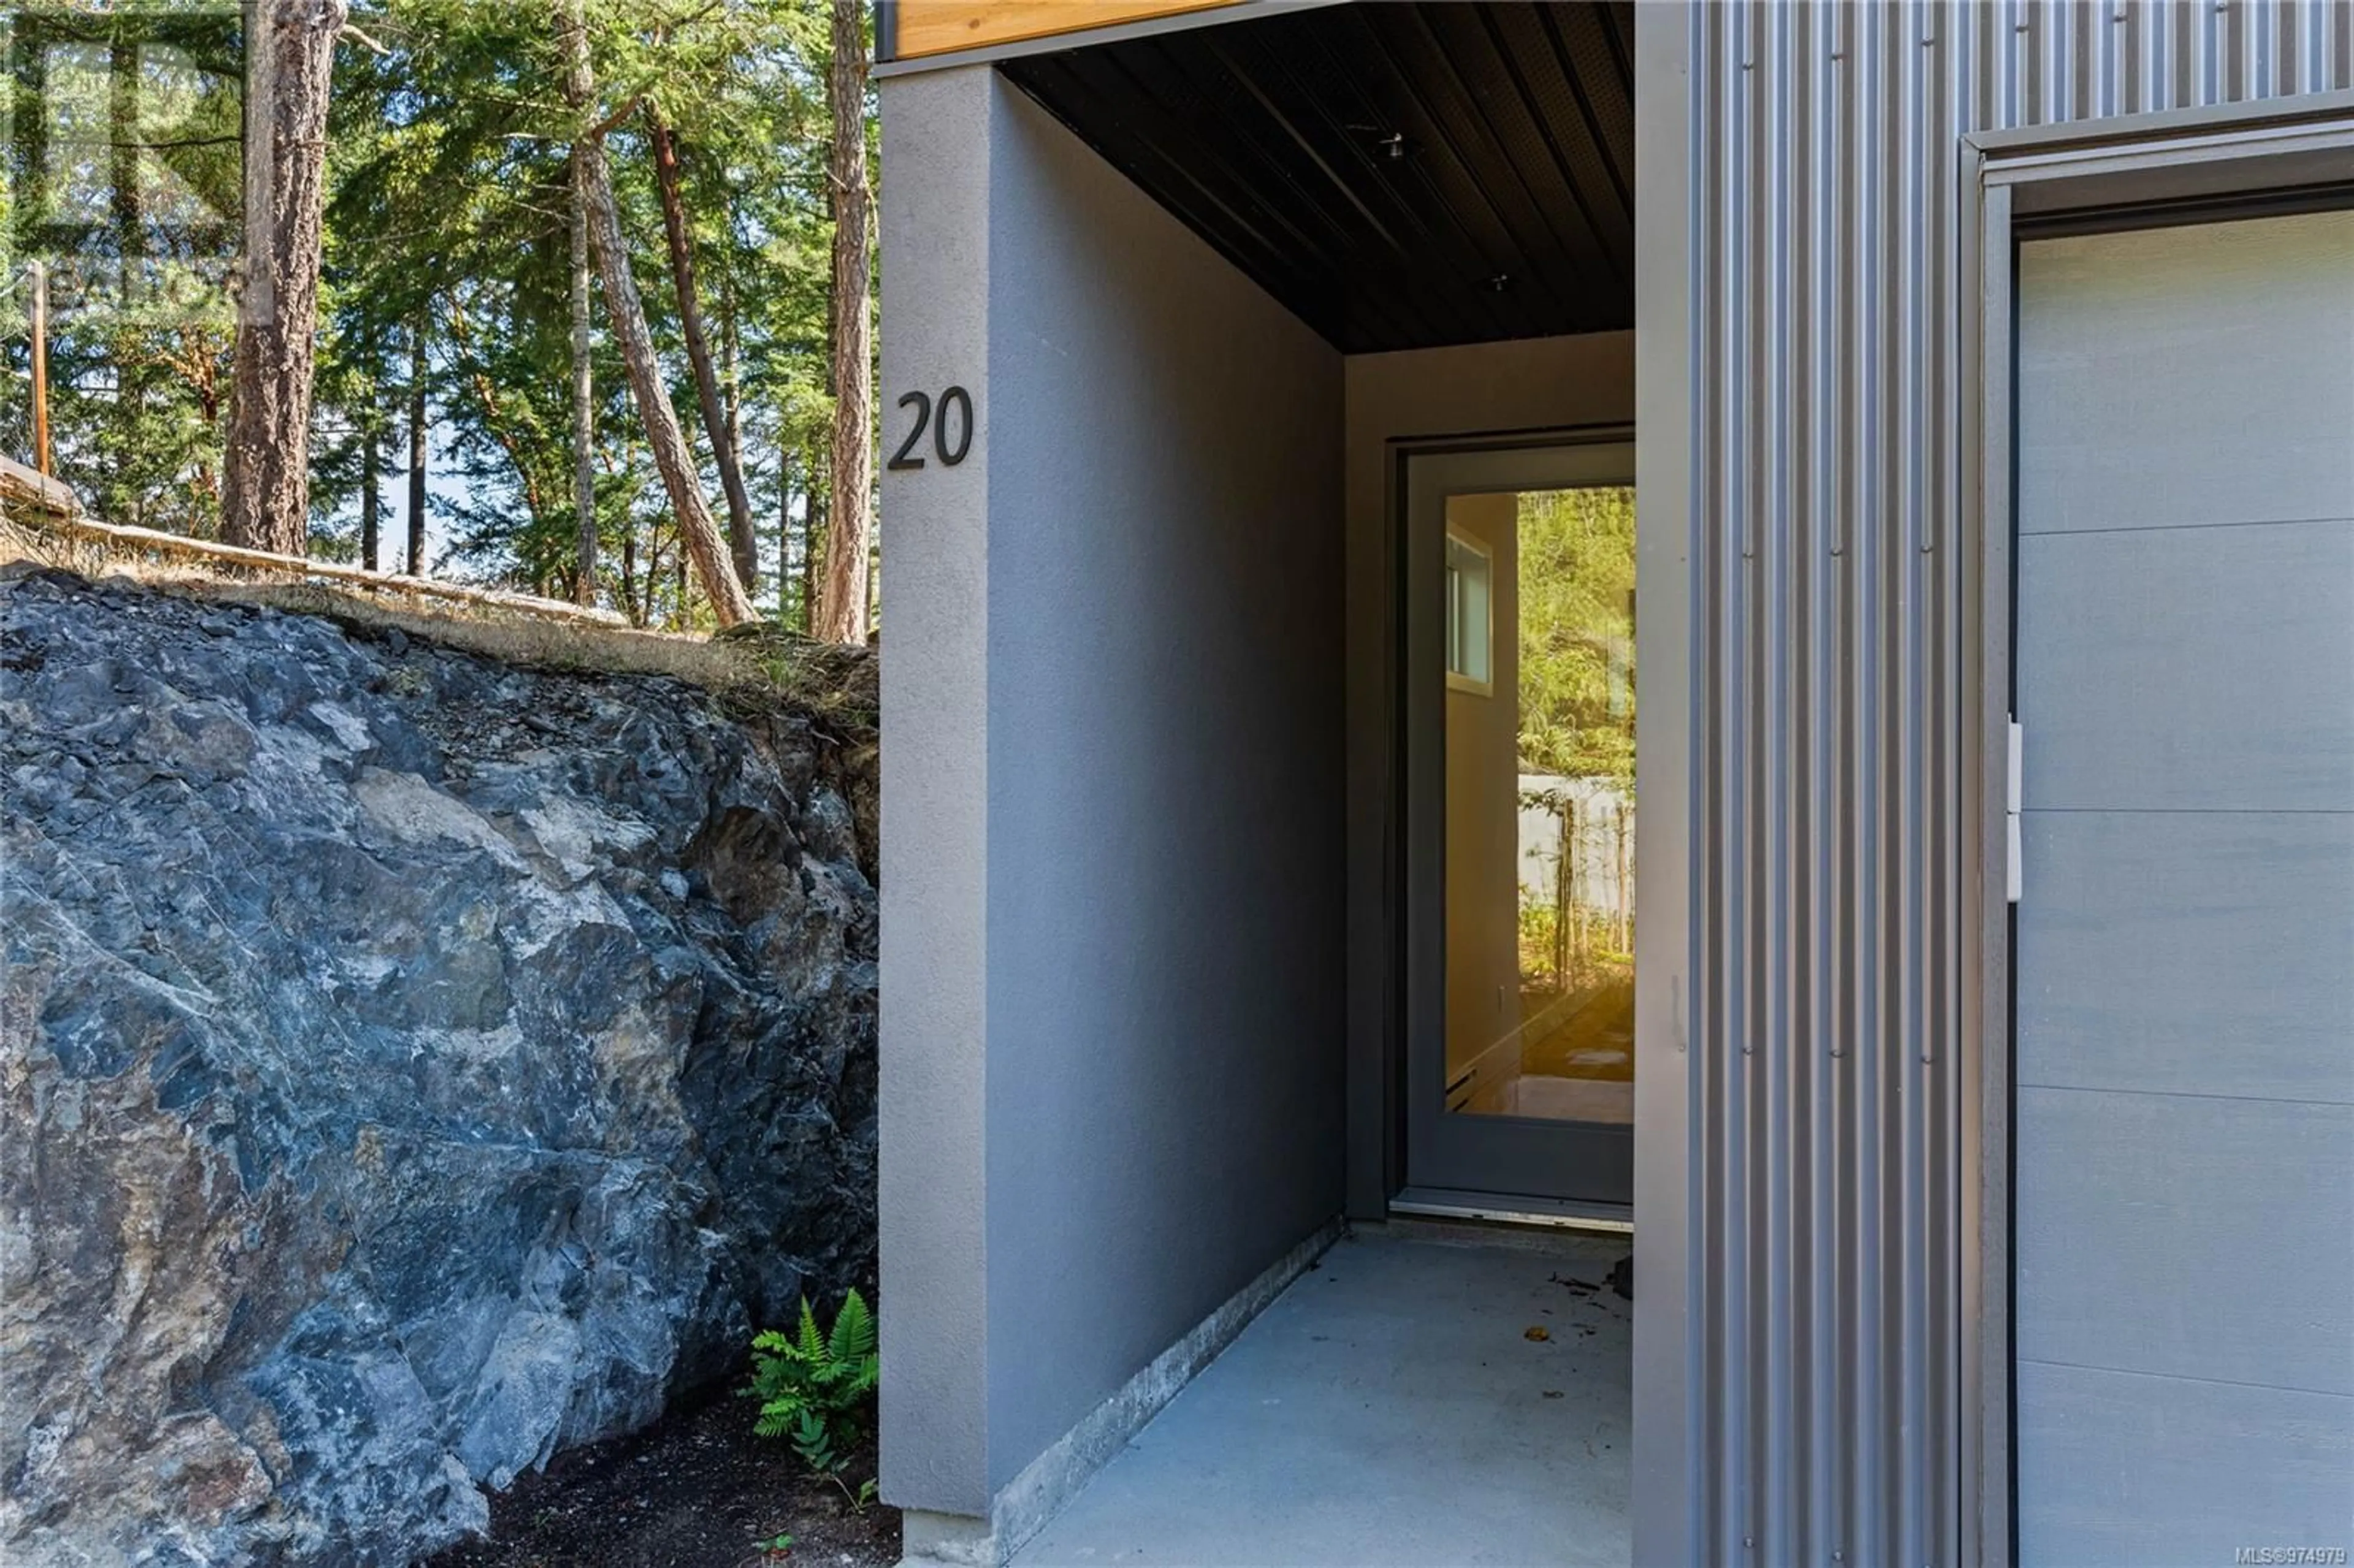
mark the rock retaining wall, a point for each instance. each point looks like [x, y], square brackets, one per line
[411, 1065]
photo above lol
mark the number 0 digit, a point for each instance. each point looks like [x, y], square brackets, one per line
[959, 400]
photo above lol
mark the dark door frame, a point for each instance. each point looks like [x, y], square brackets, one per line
[1397, 906]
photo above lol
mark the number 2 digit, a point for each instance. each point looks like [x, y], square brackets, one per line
[923, 402]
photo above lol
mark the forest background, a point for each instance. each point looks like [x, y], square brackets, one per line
[468, 286]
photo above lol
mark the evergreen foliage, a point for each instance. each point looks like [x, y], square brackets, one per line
[449, 212]
[125, 183]
[1577, 633]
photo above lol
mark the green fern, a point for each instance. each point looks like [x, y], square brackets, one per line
[815, 1388]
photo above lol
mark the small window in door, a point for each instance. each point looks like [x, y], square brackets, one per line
[1470, 581]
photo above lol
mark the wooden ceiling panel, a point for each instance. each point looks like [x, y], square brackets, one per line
[920, 28]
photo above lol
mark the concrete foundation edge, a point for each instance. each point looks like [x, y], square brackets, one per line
[1052, 1479]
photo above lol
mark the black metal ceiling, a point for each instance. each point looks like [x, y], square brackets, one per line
[1401, 175]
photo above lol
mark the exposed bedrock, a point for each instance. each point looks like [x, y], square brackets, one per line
[412, 1066]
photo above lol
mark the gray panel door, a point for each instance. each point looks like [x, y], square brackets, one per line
[2184, 1234]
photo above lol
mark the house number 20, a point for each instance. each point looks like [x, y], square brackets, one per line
[955, 401]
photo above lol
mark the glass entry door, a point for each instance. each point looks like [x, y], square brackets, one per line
[1519, 745]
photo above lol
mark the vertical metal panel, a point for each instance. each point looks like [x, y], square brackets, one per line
[1828, 566]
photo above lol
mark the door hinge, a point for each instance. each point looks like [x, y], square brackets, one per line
[2015, 791]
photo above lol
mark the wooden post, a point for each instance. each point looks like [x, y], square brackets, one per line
[40, 278]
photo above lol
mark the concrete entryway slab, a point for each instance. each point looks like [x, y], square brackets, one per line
[1389, 1409]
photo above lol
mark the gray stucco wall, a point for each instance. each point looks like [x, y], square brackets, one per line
[932, 1186]
[1142, 935]
[1165, 781]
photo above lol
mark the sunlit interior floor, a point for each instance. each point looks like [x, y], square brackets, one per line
[1423, 1399]
[1564, 1099]
[1577, 1064]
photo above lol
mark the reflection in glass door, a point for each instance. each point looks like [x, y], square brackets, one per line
[1522, 812]
[1541, 806]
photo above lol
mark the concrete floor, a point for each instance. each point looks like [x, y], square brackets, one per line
[1388, 1409]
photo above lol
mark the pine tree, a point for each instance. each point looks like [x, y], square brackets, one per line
[627, 315]
[843, 602]
[445, 297]
[266, 490]
[740, 542]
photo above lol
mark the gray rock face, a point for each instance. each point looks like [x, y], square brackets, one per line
[411, 1067]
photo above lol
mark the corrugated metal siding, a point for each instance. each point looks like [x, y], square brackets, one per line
[1827, 876]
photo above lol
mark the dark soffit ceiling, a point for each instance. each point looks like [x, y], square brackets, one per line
[1400, 176]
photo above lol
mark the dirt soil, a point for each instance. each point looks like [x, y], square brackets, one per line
[697, 1490]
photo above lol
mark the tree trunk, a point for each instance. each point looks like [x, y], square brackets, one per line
[1621, 924]
[741, 545]
[584, 402]
[842, 602]
[629, 574]
[731, 388]
[813, 543]
[731, 397]
[416, 450]
[266, 499]
[371, 509]
[131, 374]
[627, 315]
[122, 128]
[784, 534]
